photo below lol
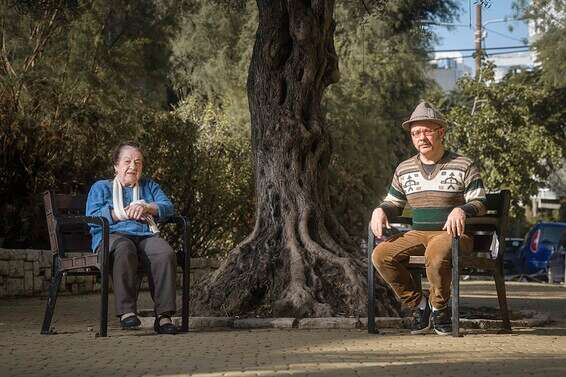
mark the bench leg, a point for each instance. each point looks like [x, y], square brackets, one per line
[372, 329]
[51, 301]
[371, 297]
[103, 331]
[417, 278]
[456, 286]
[502, 298]
[185, 303]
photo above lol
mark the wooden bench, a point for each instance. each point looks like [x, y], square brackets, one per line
[479, 262]
[69, 232]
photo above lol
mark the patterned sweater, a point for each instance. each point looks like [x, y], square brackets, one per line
[454, 182]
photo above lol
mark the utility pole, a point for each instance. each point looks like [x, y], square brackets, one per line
[478, 37]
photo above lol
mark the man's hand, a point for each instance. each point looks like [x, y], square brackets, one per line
[455, 222]
[378, 220]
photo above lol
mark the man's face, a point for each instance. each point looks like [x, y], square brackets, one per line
[129, 167]
[427, 137]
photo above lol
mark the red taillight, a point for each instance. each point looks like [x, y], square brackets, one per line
[534, 241]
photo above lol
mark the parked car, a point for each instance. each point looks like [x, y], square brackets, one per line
[511, 258]
[542, 242]
[556, 265]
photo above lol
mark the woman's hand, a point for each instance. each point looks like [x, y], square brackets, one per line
[137, 211]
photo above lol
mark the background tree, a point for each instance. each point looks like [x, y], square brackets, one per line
[107, 74]
[549, 19]
[382, 59]
[298, 260]
[78, 77]
[215, 188]
[512, 134]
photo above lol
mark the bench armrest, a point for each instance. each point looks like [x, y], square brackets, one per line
[79, 219]
[183, 223]
[177, 219]
[482, 220]
[64, 220]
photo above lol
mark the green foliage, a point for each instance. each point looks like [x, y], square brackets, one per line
[205, 169]
[68, 93]
[78, 77]
[382, 61]
[218, 198]
[549, 18]
[211, 53]
[382, 65]
[98, 79]
[507, 134]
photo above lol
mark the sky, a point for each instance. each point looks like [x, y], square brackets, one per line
[498, 33]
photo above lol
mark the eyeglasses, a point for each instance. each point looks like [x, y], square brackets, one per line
[426, 132]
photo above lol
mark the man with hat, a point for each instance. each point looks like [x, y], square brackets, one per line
[442, 188]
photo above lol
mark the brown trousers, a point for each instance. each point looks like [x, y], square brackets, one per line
[159, 261]
[391, 258]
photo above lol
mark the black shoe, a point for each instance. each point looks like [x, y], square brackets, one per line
[166, 328]
[442, 321]
[421, 322]
[130, 323]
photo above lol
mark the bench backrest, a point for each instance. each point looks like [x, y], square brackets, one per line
[70, 238]
[498, 209]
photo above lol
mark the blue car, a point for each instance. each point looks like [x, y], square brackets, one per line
[541, 242]
[511, 258]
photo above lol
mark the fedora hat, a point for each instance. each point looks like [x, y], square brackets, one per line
[424, 112]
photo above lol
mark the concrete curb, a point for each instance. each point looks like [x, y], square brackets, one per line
[228, 323]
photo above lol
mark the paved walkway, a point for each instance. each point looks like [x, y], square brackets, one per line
[343, 353]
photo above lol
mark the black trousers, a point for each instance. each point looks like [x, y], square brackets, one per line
[159, 261]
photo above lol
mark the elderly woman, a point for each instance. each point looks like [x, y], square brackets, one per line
[132, 205]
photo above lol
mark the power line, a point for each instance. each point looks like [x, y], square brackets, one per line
[503, 35]
[487, 48]
[471, 56]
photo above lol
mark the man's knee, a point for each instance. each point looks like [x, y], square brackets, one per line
[380, 256]
[439, 251]
[438, 261]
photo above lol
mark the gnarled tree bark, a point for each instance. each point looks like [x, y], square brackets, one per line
[298, 261]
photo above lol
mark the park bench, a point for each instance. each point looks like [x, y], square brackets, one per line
[479, 262]
[69, 232]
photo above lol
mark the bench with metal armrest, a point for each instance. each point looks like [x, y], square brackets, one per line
[479, 262]
[69, 232]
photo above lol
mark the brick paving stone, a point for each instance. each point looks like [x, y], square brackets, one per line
[538, 351]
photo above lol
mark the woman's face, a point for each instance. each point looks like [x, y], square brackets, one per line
[129, 167]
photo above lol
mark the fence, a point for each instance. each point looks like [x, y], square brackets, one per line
[28, 273]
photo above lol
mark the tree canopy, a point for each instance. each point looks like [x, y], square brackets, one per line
[98, 72]
[382, 63]
[512, 129]
[548, 18]
[76, 78]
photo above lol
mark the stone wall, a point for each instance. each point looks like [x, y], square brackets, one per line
[28, 273]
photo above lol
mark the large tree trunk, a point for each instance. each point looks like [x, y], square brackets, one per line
[298, 261]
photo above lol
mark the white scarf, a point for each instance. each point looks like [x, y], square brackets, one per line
[118, 203]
